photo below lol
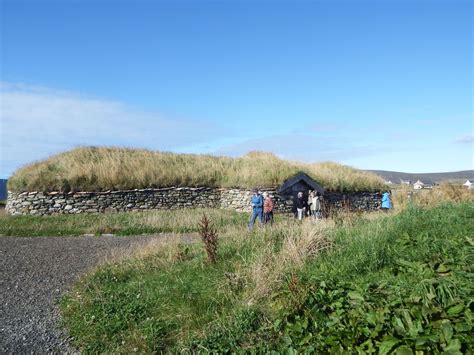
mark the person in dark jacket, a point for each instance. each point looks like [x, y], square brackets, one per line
[257, 208]
[301, 206]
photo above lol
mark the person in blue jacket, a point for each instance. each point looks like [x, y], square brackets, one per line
[386, 201]
[257, 208]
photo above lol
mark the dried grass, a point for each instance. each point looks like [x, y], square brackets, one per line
[300, 242]
[444, 193]
[105, 168]
[161, 250]
[431, 197]
[309, 243]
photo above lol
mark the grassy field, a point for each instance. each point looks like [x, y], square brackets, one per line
[375, 284]
[123, 223]
[94, 169]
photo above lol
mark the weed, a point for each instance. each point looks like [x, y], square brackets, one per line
[209, 237]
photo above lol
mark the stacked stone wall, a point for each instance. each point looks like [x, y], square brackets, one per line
[239, 200]
[357, 201]
[43, 203]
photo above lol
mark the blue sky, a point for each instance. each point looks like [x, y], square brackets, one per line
[372, 84]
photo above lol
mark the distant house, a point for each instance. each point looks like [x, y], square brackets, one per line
[418, 185]
[389, 182]
[405, 182]
[421, 185]
[3, 189]
[468, 184]
[299, 183]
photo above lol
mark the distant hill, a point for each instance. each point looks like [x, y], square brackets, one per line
[427, 178]
[3, 189]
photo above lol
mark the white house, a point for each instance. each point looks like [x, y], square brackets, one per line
[418, 185]
[468, 184]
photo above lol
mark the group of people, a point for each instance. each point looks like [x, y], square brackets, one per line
[311, 207]
[262, 207]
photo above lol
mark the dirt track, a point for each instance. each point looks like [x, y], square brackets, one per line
[34, 273]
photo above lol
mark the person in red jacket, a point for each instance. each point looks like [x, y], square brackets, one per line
[267, 208]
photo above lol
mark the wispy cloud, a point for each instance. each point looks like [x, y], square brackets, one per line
[469, 138]
[302, 147]
[38, 121]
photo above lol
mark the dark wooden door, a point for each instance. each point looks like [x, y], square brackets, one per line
[300, 186]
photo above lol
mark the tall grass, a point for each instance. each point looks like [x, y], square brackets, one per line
[94, 169]
[405, 196]
[166, 294]
[308, 286]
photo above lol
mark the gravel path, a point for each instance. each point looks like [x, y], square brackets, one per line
[34, 273]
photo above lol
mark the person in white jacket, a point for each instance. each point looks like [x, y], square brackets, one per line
[315, 200]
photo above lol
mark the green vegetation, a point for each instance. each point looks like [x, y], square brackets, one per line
[100, 169]
[402, 289]
[123, 223]
[377, 283]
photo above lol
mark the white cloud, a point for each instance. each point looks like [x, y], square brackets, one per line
[37, 122]
[466, 139]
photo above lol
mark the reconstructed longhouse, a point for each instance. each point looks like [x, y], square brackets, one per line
[93, 180]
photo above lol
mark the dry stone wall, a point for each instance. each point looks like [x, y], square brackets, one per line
[42, 203]
[356, 201]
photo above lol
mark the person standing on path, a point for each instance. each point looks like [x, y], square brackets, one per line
[301, 206]
[257, 208]
[267, 208]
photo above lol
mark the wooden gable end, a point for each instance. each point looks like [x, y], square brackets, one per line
[299, 182]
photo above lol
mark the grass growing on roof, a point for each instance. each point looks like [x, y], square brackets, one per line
[378, 283]
[94, 169]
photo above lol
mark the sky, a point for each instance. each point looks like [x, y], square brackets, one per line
[382, 85]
